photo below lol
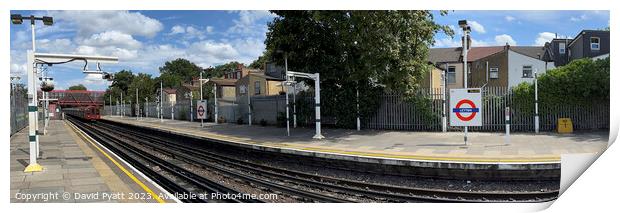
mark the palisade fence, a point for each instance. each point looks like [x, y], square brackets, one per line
[395, 112]
[19, 110]
[398, 113]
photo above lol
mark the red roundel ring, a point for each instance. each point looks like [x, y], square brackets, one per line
[471, 116]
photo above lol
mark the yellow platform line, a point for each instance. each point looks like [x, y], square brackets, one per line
[545, 159]
[121, 167]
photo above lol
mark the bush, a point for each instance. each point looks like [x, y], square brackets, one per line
[582, 81]
[240, 121]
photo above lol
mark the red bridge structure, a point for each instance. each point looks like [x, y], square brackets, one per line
[74, 99]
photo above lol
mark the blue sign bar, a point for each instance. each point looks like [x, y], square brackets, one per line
[465, 110]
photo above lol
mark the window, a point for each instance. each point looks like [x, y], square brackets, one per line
[257, 88]
[595, 43]
[527, 71]
[451, 75]
[562, 48]
[493, 72]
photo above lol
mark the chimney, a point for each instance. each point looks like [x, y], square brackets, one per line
[556, 35]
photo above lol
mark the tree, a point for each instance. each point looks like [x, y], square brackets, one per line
[259, 63]
[146, 87]
[581, 82]
[122, 80]
[175, 73]
[355, 50]
[77, 87]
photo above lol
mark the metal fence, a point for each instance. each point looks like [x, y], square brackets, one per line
[398, 113]
[19, 110]
[421, 113]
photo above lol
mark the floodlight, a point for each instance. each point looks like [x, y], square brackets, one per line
[48, 20]
[16, 19]
[462, 23]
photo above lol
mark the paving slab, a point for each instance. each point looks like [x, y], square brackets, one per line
[483, 147]
[70, 165]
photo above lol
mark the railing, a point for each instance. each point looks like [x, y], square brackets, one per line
[397, 112]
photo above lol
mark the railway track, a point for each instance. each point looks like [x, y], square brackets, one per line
[175, 179]
[273, 177]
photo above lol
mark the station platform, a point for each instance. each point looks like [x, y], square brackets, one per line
[75, 169]
[542, 150]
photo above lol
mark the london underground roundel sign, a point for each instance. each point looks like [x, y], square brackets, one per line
[465, 107]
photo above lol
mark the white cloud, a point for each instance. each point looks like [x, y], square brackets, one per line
[505, 39]
[112, 38]
[247, 23]
[543, 38]
[477, 27]
[191, 32]
[214, 50]
[177, 29]
[509, 18]
[91, 22]
[582, 17]
[447, 42]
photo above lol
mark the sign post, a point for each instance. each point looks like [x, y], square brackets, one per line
[201, 111]
[466, 108]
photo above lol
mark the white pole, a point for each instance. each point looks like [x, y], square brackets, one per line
[202, 121]
[45, 113]
[215, 102]
[161, 101]
[122, 106]
[249, 105]
[191, 106]
[33, 166]
[444, 122]
[288, 128]
[465, 47]
[146, 106]
[507, 113]
[110, 105]
[536, 118]
[137, 106]
[294, 104]
[357, 105]
[317, 104]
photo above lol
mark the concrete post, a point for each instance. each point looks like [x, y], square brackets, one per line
[507, 113]
[357, 105]
[536, 118]
[215, 102]
[317, 102]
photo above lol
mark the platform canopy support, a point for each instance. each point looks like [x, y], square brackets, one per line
[317, 97]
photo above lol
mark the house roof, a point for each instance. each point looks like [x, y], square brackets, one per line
[437, 55]
[531, 51]
[453, 54]
[583, 32]
[224, 82]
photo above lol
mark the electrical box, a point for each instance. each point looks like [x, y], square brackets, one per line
[565, 125]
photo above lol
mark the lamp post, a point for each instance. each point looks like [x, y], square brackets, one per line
[33, 137]
[466, 29]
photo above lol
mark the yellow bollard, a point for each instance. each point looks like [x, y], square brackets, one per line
[565, 125]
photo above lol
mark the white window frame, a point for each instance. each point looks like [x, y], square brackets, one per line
[257, 87]
[598, 44]
[531, 75]
[493, 70]
[453, 73]
[562, 48]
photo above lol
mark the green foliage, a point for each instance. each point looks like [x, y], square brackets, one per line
[77, 87]
[370, 50]
[259, 63]
[145, 85]
[177, 71]
[582, 81]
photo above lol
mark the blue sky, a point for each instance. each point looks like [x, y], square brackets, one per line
[144, 40]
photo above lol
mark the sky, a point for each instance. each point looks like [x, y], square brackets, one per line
[144, 40]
